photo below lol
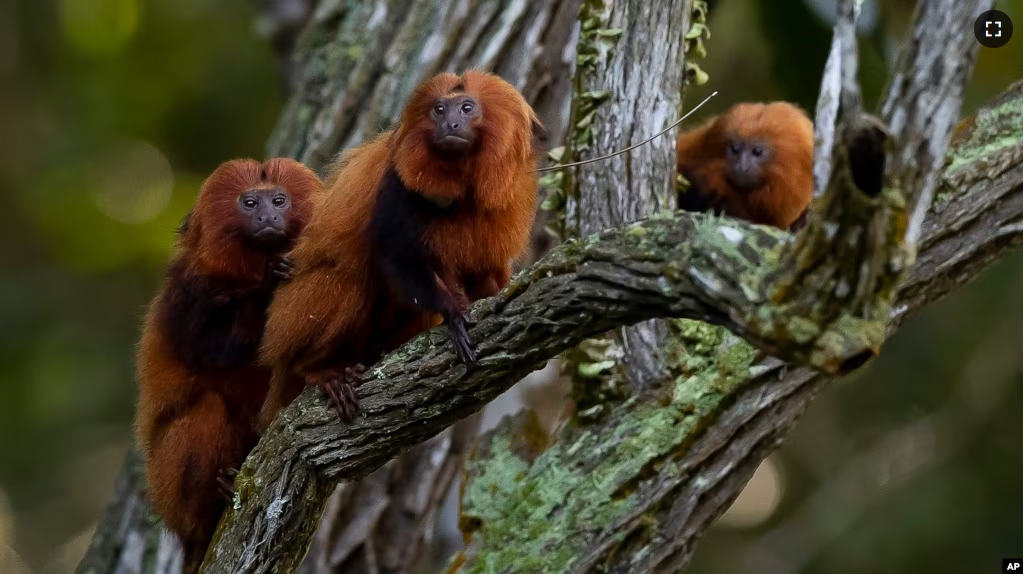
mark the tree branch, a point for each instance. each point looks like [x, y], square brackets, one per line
[922, 102]
[838, 78]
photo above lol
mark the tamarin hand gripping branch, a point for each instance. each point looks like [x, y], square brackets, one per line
[199, 386]
[753, 162]
[414, 227]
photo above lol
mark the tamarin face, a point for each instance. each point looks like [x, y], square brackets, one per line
[455, 120]
[264, 212]
[258, 206]
[745, 161]
[461, 132]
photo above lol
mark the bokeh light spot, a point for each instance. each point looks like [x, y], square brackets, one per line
[99, 27]
[133, 182]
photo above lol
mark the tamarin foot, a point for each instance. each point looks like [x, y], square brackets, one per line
[339, 386]
[800, 222]
[282, 268]
[460, 337]
[226, 483]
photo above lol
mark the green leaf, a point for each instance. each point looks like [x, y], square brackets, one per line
[594, 370]
[554, 201]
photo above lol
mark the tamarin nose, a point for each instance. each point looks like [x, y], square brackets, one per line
[453, 125]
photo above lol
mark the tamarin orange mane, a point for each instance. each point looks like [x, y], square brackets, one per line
[416, 225]
[199, 387]
[753, 162]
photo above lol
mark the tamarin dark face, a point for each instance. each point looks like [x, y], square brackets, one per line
[745, 161]
[455, 121]
[265, 213]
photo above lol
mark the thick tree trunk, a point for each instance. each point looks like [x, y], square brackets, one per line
[627, 87]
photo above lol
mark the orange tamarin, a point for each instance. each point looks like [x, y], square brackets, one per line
[414, 226]
[200, 388]
[753, 162]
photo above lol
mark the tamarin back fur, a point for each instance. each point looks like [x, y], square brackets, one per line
[406, 233]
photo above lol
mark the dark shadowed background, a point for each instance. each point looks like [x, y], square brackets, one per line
[112, 112]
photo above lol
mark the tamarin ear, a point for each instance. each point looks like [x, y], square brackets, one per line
[539, 136]
[800, 221]
[186, 223]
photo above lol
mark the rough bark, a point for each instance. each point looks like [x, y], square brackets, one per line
[627, 88]
[384, 522]
[923, 98]
[838, 77]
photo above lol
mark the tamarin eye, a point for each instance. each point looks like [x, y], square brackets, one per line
[734, 148]
[467, 108]
[439, 109]
[250, 203]
[757, 151]
[279, 200]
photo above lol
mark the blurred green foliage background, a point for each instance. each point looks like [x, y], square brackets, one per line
[112, 112]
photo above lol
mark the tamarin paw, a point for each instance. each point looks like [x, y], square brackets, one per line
[281, 268]
[457, 330]
[226, 483]
[339, 387]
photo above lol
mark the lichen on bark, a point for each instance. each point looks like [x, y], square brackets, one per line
[543, 514]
